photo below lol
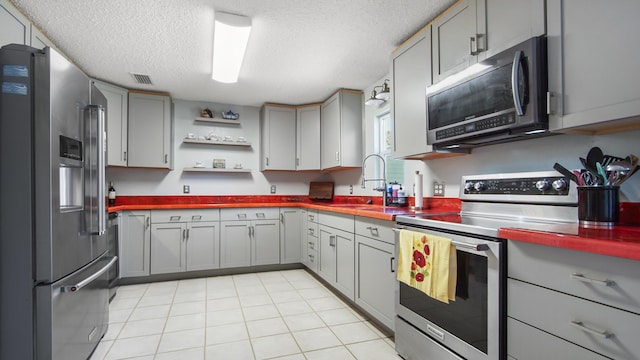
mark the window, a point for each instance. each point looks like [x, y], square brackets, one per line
[383, 137]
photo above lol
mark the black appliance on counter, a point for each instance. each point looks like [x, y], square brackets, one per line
[473, 326]
[500, 99]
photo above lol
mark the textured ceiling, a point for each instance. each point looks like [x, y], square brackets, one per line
[300, 51]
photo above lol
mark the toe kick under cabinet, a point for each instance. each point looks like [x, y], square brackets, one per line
[564, 304]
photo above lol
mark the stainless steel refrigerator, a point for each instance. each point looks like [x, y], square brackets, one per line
[53, 249]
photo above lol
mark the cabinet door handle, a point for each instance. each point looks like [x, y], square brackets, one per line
[281, 218]
[583, 278]
[267, 161]
[311, 218]
[260, 215]
[188, 233]
[125, 156]
[166, 158]
[472, 41]
[311, 257]
[242, 216]
[148, 223]
[479, 48]
[337, 155]
[332, 241]
[374, 230]
[196, 217]
[549, 96]
[297, 161]
[184, 234]
[391, 263]
[580, 325]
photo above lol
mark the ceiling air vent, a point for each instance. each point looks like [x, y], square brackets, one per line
[142, 79]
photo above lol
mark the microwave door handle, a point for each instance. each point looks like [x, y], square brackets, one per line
[515, 79]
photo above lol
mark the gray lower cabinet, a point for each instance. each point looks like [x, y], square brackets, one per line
[578, 305]
[309, 238]
[184, 240]
[290, 231]
[375, 277]
[337, 248]
[249, 237]
[134, 240]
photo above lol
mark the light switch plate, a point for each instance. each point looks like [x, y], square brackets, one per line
[186, 189]
[273, 189]
[438, 188]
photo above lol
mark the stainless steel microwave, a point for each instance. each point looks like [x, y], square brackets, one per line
[500, 99]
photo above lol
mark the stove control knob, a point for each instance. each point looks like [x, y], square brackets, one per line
[542, 185]
[468, 186]
[479, 186]
[560, 184]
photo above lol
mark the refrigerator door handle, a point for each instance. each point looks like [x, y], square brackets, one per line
[87, 281]
[96, 133]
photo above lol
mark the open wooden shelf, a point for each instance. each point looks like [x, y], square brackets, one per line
[218, 121]
[212, 142]
[213, 170]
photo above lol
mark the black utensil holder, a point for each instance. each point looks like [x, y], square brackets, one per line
[598, 206]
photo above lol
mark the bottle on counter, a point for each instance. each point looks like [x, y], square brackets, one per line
[112, 194]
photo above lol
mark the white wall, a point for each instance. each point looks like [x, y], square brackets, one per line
[529, 155]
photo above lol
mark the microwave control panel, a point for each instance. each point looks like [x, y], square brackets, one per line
[475, 126]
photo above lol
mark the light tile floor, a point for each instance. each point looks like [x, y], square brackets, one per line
[270, 315]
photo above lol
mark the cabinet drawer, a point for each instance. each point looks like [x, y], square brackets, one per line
[312, 229]
[528, 343]
[249, 214]
[560, 269]
[375, 229]
[312, 215]
[336, 220]
[579, 321]
[190, 215]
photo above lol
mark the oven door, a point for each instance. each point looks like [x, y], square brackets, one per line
[473, 325]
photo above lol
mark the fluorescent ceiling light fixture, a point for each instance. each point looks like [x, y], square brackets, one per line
[230, 37]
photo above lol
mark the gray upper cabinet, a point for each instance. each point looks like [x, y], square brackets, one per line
[459, 35]
[341, 130]
[308, 137]
[14, 28]
[150, 130]
[278, 137]
[510, 22]
[411, 70]
[117, 122]
[593, 64]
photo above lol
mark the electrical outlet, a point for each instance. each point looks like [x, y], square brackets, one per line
[438, 188]
[350, 189]
[273, 189]
[186, 189]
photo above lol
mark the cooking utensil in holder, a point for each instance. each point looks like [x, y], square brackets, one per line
[598, 206]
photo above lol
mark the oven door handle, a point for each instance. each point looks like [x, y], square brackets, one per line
[476, 247]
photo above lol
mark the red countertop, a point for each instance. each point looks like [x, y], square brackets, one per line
[620, 241]
[352, 205]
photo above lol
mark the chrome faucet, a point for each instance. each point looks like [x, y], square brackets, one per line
[383, 189]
